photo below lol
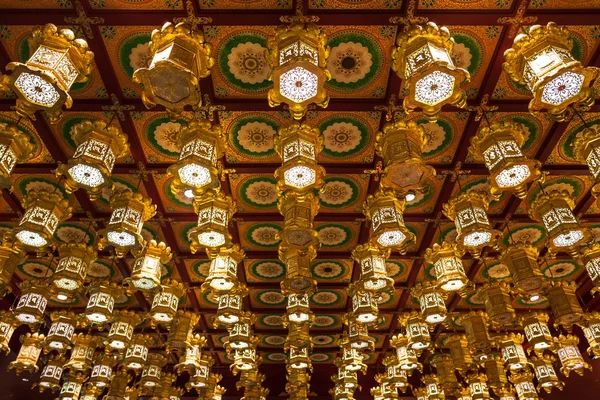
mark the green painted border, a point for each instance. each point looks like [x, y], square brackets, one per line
[486, 275]
[576, 270]
[225, 49]
[349, 235]
[125, 48]
[353, 199]
[20, 267]
[362, 126]
[473, 44]
[278, 277]
[566, 148]
[237, 124]
[402, 268]
[244, 186]
[31, 179]
[248, 234]
[150, 128]
[343, 271]
[448, 128]
[196, 268]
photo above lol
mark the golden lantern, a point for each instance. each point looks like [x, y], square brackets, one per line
[389, 390]
[181, 330]
[71, 271]
[469, 213]
[299, 356]
[44, 81]
[586, 147]
[137, 352]
[166, 301]
[214, 211]
[417, 332]
[448, 267]
[498, 303]
[44, 211]
[121, 329]
[420, 393]
[373, 273]
[444, 368]
[82, 353]
[590, 256]
[358, 334]
[32, 302]
[61, 331]
[222, 273]
[545, 374]
[101, 302]
[11, 255]
[298, 146]
[569, 355]
[344, 376]
[476, 330]
[464, 394]
[352, 359]
[364, 304]
[541, 59]
[190, 360]
[298, 57]
[478, 386]
[505, 394]
[376, 393]
[564, 303]
[201, 143]
[230, 306]
[431, 301]
[591, 331]
[511, 345]
[51, 373]
[400, 144]
[526, 276]
[384, 211]
[15, 147]
[240, 333]
[91, 392]
[152, 371]
[8, 323]
[298, 212]
[434, 391]
[298, 275]
[407, 358]
[394, 372]
[553, 210]
[244, 359]
[98, 146]
[201, 377]
[147, 269]
[129, 212]
[459, 351]
[342, 392]
[29, 354]
[499, 145]
[422, 58]
[298, 308]
[118, 387]
[180, 58]
[522, 381]
[495, 373]
[102, 370]
[72, 385]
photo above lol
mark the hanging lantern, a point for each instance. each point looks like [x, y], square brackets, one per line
[564, 303]
[495, 373]
[469, 213]
[118, 387]
[444, 368]
[459, 351]
[98, 146]
[181, 330]
[373, 273]
[298, 146]
[478, 386]
[431, 301]
[395, 374]
[8, 323]
[535, 325]
[388, 389]
[51, 374]
[222, 273]
[44, 211]
[298, 212]
[240, 333]
[121, 329]
[400, 144]
[102, 371]
[129, 212]
[214, 211]
[101, 302]
[91, 392]
[166, 301]
[545, 374]
[591, 330]
[353, 359]
[299, 357]
[417, 331]
[201, 377]
[147, 269]
[244, 359]
[61, 331]
[465, 394]
[505, 394]
[384, 211]
[230, 306]
[364, 305]
[522, 381]
[152, 371]
[513, 354]
[298, 57]
[137, 352]
[29, 354]
[72, 385]
[422, 59]
[553, 209]
[43, 82]
[526, 276]
[449, 271]
[407, 358]
[15, 147]
[476, 329]
[376, 393]
[71, 271]
[586, 147]
[32, 302]
[434, 391]
[541, 59]
[569, 355]
[190, 360]
[358, 334]
[11, 255]
[345, 377]
[298, 308]
[498, 303]
[82, 354]
[298, 275]
[341, 392]
[591, 259]
[180, 58]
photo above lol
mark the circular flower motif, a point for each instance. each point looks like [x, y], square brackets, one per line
[140, 56]
[496, 271]
[35, 269]
[328, 269]
[276, 357]
[271, 297]
[394, 268]
[274, 340]
[166, 135]
[561, 270]
[272, 320]
[201, 268]
[319, 357]
[100, 270]
[337, 193]
[36, 185]
[247, 63]
[256, 137]
[461, 56]
[384, 298]
[325, 298]
[322, 340]
[323, 321]
[269, 269]
[264, 235]
[331, 236]
[437, 136]
[260, 192]
[71, 234]
[551, 186]
[210, 298]
[341, 137]
[532, 235]
[349, 62]
[473, 299]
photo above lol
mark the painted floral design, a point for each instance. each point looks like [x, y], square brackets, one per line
[166, 135]
[461, 56]
[561, 270]
[35, 269]
[265, 235]
[336, 193]
[551, 186]
[349, 62]
[328, 270]
[140, 56]
[261, 192]
[274, 340]
[393, 269]
[526, 235]
[269, 269]
[341, 137]
[436, 134]
[319, 357]
[498, 271]
[384, 298]
[202, 269]
[325, 298]
[474, 300]
[322, 340]
[256, 137]
[71, 234]
[272, 320]
[323, 321]
[271, 297]
[38, 185]
[277, 357]
[248, 64]
[332, 236]
[99, 270]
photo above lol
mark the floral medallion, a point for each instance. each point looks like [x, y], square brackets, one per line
[394, 268]
[274, 340]
[328, 270]
[333, 235]
[162, 134]
[269, 270]
[495, 272]
[148, 233]
[323, 340]
[473, 299]
[441, 134]
[270, 297]
[320, 357]
[572, 185]
[259, 192]
[467, 52]
[201, 268]
[561, 270]
[134, 53]
[263, 235]
[272, 320]
[385, 298]
[252, 135]
[325, 321]
[122, 299]
[36, 269]
[100, 270]
[241, 61]
[339, 192]
[344, 136]
[70, 233]
[276, 357]
[67, 128]
[27, 184]
[533, 234]
[326, 298]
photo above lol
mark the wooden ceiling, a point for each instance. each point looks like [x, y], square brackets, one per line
[118, 32]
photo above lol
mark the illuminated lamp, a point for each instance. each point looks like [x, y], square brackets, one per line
[29, 353]
[166, 301]
[448, 267]
[15, 147]
[214, 211]
[384, 211]
[147, 268]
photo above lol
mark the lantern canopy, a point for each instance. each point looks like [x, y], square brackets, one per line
[101, 302]
[513, 354]
[527, 278]
[535, 325]
[15, 147]
[545, 373]
[564, 303]
[569, 355]
[498, 302]
[121, 329]
[222, 273]
[82, 353]
[166, 301]
[71, 271]
[61, 331]
[449, 271]
[32, 302]
[373, 272]
[384, 211]
[214, 210]
[147, 268]
[137, 352]
[51, 374]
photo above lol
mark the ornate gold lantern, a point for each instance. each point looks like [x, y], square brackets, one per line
[407, 358]
[118, 387]
[91, 392]
[11, 255]
[129, 212]
[364, 305]
[352, 359]
[535, 325]
[8, 323]
[180, 58]
[373, 274]
[222, 273]
[214, 211]
[513, 354]
[569, 355]
[244, 359]
[51, 373]
[422, 58]
[44, 81]
[420, 393]
[434, 391]
[82, 354]
[298, 275]
[71, 271]
[29, 354]
[44, 211]
[200, 145]
[298, 308]
[431, 301]
[541, 59]
[32, 302]
[299, 356]
[152, 371]
[586, 147]
[526, 276]
[444, 368]
[495, 373]
[341, 392]
[72, 385]
[476, 330]
[591, 330]
[98, 147]
[61, 331]
[384, 211]
[240, 333]
[499, 145]
[137, 352]
[181, 330]
[591, 259]
[459, 351]
[397, 376]
[553, 209]
[564, 303]
[201, 377]
[358, 334]
[448, 267]
[147, 269]
[344, 376]
[400, 144]
[190, 360]
[469, 213]
[230, 306]
[15, 147]
[121, 329]
[478, 386]
[417, 331]
[388, 388]
[464, 394]
[545, 374]
[102, 370]
[298, 57]
[166, 301]
[101, 302]
[522, 381]
[498, 303]
[505, 394]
